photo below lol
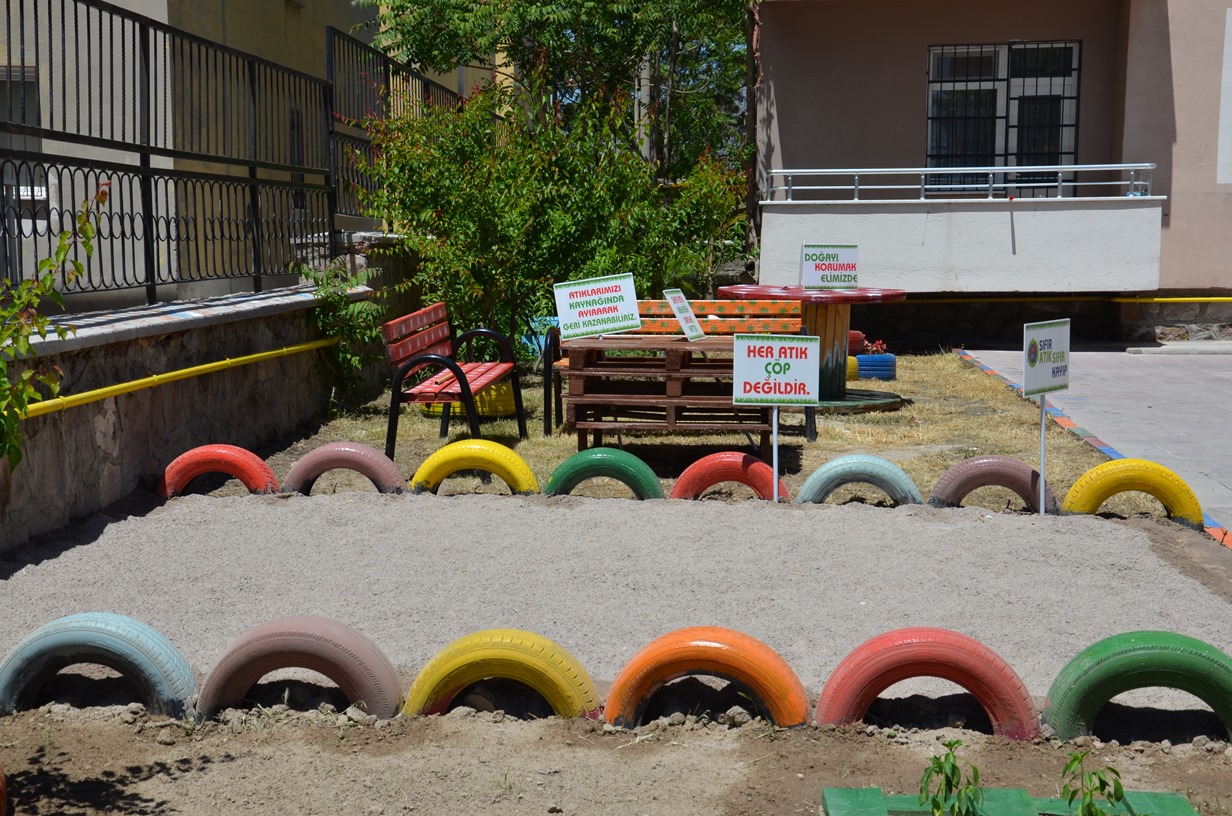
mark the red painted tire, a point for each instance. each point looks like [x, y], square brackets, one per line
[728, 466]
[710, 650]
[992, 471]
[923, 651]
[345, 655]
[229, 459]
[855, 342]
[365, 461]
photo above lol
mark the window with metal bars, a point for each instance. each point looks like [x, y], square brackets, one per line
[1002, 105]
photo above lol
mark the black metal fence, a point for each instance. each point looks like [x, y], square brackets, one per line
[222, 165]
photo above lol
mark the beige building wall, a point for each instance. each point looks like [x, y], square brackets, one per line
[845, 86]
[1176, 77]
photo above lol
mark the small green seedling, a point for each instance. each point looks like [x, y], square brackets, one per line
[945, 791]
[1097, 792]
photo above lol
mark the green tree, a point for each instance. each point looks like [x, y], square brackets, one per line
[691, 55]
[498, 203]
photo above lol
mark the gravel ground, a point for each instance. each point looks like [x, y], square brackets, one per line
[604, 577]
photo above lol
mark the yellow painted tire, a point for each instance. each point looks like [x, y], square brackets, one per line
[495, 401]
[853, 369]
[509, 654]
[475, 454]
[1099, 483]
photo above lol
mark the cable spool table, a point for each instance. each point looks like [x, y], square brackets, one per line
[826, 313]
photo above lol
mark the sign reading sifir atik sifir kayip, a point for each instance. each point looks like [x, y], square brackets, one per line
[776, 369]
[1045, 357]
[829, 266]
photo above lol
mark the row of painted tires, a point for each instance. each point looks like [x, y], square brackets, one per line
[1086, 496]
[362, 672]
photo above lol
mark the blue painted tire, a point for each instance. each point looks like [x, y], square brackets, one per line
[877, 366]
[143, 656]
[859, 467]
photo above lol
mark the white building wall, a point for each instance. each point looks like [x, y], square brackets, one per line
[1032, 246]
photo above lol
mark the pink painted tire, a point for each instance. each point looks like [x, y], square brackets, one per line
[728, 466]
[922, 651]
[992, 471]
[365, 461]
[229, 459]
[343, 654]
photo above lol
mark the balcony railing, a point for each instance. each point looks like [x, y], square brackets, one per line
[898, 183]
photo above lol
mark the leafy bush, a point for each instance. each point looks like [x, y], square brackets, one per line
[499, 203]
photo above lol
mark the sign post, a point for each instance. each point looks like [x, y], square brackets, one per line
[776, 369]
[829, 266]
[1045, 368]
[595, 306]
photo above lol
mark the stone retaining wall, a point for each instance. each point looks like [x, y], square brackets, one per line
[79, 460]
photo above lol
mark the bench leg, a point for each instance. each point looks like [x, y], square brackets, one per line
[445, 406]
[391, 430]
[810, 424]
[517, 404]
[472, 413]
[767, 449]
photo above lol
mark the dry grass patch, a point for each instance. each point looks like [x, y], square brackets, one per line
[955, 412]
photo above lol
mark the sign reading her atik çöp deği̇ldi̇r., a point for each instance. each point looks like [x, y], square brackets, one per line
[684, 313]
[594, 306]
[829, 266]
[1045, 368]
[775, 369]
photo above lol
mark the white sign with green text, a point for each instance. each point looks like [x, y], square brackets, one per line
[684, 313]
[776, 369]
[1045, 368]
[594, 306]
[1045, 357]
[829, 266]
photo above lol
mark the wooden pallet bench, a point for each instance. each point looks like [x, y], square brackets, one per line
[421, 349]
[653, 379]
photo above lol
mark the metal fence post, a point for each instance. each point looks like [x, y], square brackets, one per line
[254, 191]
[145, 93]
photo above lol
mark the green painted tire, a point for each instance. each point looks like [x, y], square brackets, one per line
[859, 467]
[1131, 661]
[616, 464]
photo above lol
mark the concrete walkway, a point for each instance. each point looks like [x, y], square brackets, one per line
[1168, 404]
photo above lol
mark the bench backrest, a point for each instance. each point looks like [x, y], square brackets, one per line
[423, 332]
[724, 317]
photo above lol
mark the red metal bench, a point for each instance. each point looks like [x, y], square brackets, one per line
[423, 342]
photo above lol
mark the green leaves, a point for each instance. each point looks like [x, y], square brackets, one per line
[1098, 792]
[498, 204]
[943, 789]
[21, 376]
[355, 323]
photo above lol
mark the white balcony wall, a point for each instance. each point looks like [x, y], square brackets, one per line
[1040, 245]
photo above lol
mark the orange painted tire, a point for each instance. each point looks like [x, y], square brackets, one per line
[710, 650]
[229, 459]
[728, 466]
[922, 651]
